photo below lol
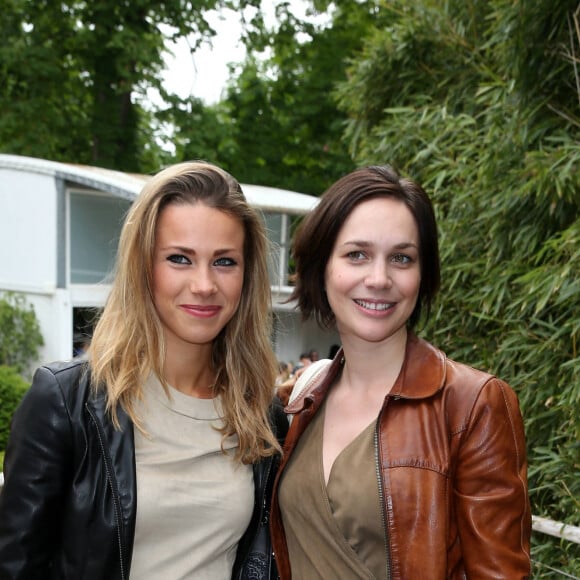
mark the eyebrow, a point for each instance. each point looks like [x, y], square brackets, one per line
[366, 244]
[192, 252]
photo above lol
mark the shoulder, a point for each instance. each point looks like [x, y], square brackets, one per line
[465, 376]
[471, 392]
[50, 408]
[469, 395]
[428, 369]
[62, 372]
[64, 381]
[463, 379]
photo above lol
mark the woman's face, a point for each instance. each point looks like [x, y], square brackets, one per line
[198, 273]
[373, 274]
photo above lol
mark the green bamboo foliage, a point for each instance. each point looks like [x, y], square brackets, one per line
[481, 106]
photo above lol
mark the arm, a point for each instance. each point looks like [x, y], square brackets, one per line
[36, 469]
[490, 488]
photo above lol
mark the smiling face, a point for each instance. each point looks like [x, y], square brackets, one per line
[373, 275]
[198, 273]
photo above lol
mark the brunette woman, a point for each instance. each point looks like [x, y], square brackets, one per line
[400, 463]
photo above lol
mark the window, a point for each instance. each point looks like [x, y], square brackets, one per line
[278, 233]
[95, 226]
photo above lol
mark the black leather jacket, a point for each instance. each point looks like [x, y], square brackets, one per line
[67, 509]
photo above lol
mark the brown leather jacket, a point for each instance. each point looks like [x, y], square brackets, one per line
[451, 453]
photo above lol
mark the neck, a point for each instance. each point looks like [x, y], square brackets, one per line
[191, 373]
[373, 366]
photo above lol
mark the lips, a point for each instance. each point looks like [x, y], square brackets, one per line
[378, 306]
[201, 311]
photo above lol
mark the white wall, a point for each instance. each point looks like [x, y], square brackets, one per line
[28, 252]
[28, 245]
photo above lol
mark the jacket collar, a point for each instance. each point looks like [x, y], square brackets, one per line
[424, 370]
[422, 375]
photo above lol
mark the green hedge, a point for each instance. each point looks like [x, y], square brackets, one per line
[12, 389]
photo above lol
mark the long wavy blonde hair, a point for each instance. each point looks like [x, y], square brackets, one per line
[128, 342]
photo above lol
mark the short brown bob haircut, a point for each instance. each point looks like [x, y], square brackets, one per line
[315, 238]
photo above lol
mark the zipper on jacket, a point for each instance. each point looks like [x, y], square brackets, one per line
[382, 497]
[264, 516]
[116, 503]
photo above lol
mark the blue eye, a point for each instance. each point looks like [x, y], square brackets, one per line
[178, 259]
[356, 255]
[225, 262]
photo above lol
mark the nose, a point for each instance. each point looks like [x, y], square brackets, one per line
[202, 282]
[378, 275]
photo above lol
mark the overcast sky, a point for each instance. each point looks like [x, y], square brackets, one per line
[205, 73]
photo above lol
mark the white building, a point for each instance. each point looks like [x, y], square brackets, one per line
[59, 229]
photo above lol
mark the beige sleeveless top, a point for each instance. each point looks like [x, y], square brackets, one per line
[334, 530]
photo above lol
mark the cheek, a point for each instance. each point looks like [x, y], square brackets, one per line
[155, 284]
[158, 298]
[337, 282]
[239, 292]
[333, 290]
[158, 281]
[235, 290]
[412, 284]
[163, 286]
[331, 277]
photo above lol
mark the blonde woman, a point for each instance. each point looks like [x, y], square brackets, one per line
[153, 459]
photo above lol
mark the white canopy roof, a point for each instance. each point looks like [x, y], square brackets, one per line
[128, 185]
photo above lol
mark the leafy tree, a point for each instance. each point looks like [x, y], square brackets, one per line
[72, 75]
[278, 124]
[200, 131]
[42, 92]
[20, 336]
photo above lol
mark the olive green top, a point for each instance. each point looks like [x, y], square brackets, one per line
[334, 530]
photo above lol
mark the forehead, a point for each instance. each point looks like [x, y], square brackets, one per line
[198, 221]
[379, 218]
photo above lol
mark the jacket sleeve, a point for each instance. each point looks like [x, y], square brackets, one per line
[254, 553]
[279, 420]
[36, 463]
[490, 488]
